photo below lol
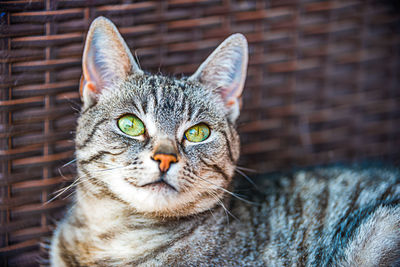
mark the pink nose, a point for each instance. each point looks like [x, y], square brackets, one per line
[165, 161]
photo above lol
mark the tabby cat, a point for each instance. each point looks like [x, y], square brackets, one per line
[156, 157]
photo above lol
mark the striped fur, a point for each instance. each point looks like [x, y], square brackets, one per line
[326, 217]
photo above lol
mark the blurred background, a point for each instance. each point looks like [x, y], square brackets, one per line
[323, 87]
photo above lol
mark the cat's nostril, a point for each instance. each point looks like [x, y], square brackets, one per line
[165, 160]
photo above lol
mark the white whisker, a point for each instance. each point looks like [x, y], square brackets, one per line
[246, 169]
[222, 205]
[226, 191]
[68, 163]
[247, 178]
[76, 182]
[137, 59]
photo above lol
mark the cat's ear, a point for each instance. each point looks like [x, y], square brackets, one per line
[224, 71]
[106, 60]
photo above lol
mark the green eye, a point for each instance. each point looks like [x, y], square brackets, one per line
[131, 125]
[197, 133]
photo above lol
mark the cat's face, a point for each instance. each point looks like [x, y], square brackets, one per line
[163, 146]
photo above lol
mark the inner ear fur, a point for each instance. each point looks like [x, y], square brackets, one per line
[224, 72]
[106, 60]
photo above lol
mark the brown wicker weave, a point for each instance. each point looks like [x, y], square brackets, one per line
[323, 86]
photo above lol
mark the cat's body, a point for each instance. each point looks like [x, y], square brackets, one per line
[327, 217]
[156, 157]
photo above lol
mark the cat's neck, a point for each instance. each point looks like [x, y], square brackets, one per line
[143, 239]
[107, 209]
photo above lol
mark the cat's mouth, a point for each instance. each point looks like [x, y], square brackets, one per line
[160, 184]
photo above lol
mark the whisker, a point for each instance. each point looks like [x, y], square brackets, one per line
[226, 210]
[59, 194]
[89, 186]
[137, 59]
[246, 169]
[64, 189]
[223, 207]
[247, 178]
[113, 168]
[77, 107]
[62, 175]
[68, 163]
[226, 191]
[210, 210]
[76, 182]
[230, 213]
[69, 195]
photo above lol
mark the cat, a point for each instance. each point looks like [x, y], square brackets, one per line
[156, 158]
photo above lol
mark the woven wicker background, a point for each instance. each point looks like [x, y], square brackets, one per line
[323, 86]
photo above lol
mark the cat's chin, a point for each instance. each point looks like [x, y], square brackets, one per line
[162, 199]
[159, 186]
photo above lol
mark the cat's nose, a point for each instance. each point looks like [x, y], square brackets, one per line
[165, 153]
[165, 161]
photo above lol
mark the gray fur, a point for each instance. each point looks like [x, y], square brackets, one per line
[326, 217]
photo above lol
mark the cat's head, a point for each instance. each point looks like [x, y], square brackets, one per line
[163, 146]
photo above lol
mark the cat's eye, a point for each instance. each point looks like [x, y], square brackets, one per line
[197, 133]
[131, 125]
